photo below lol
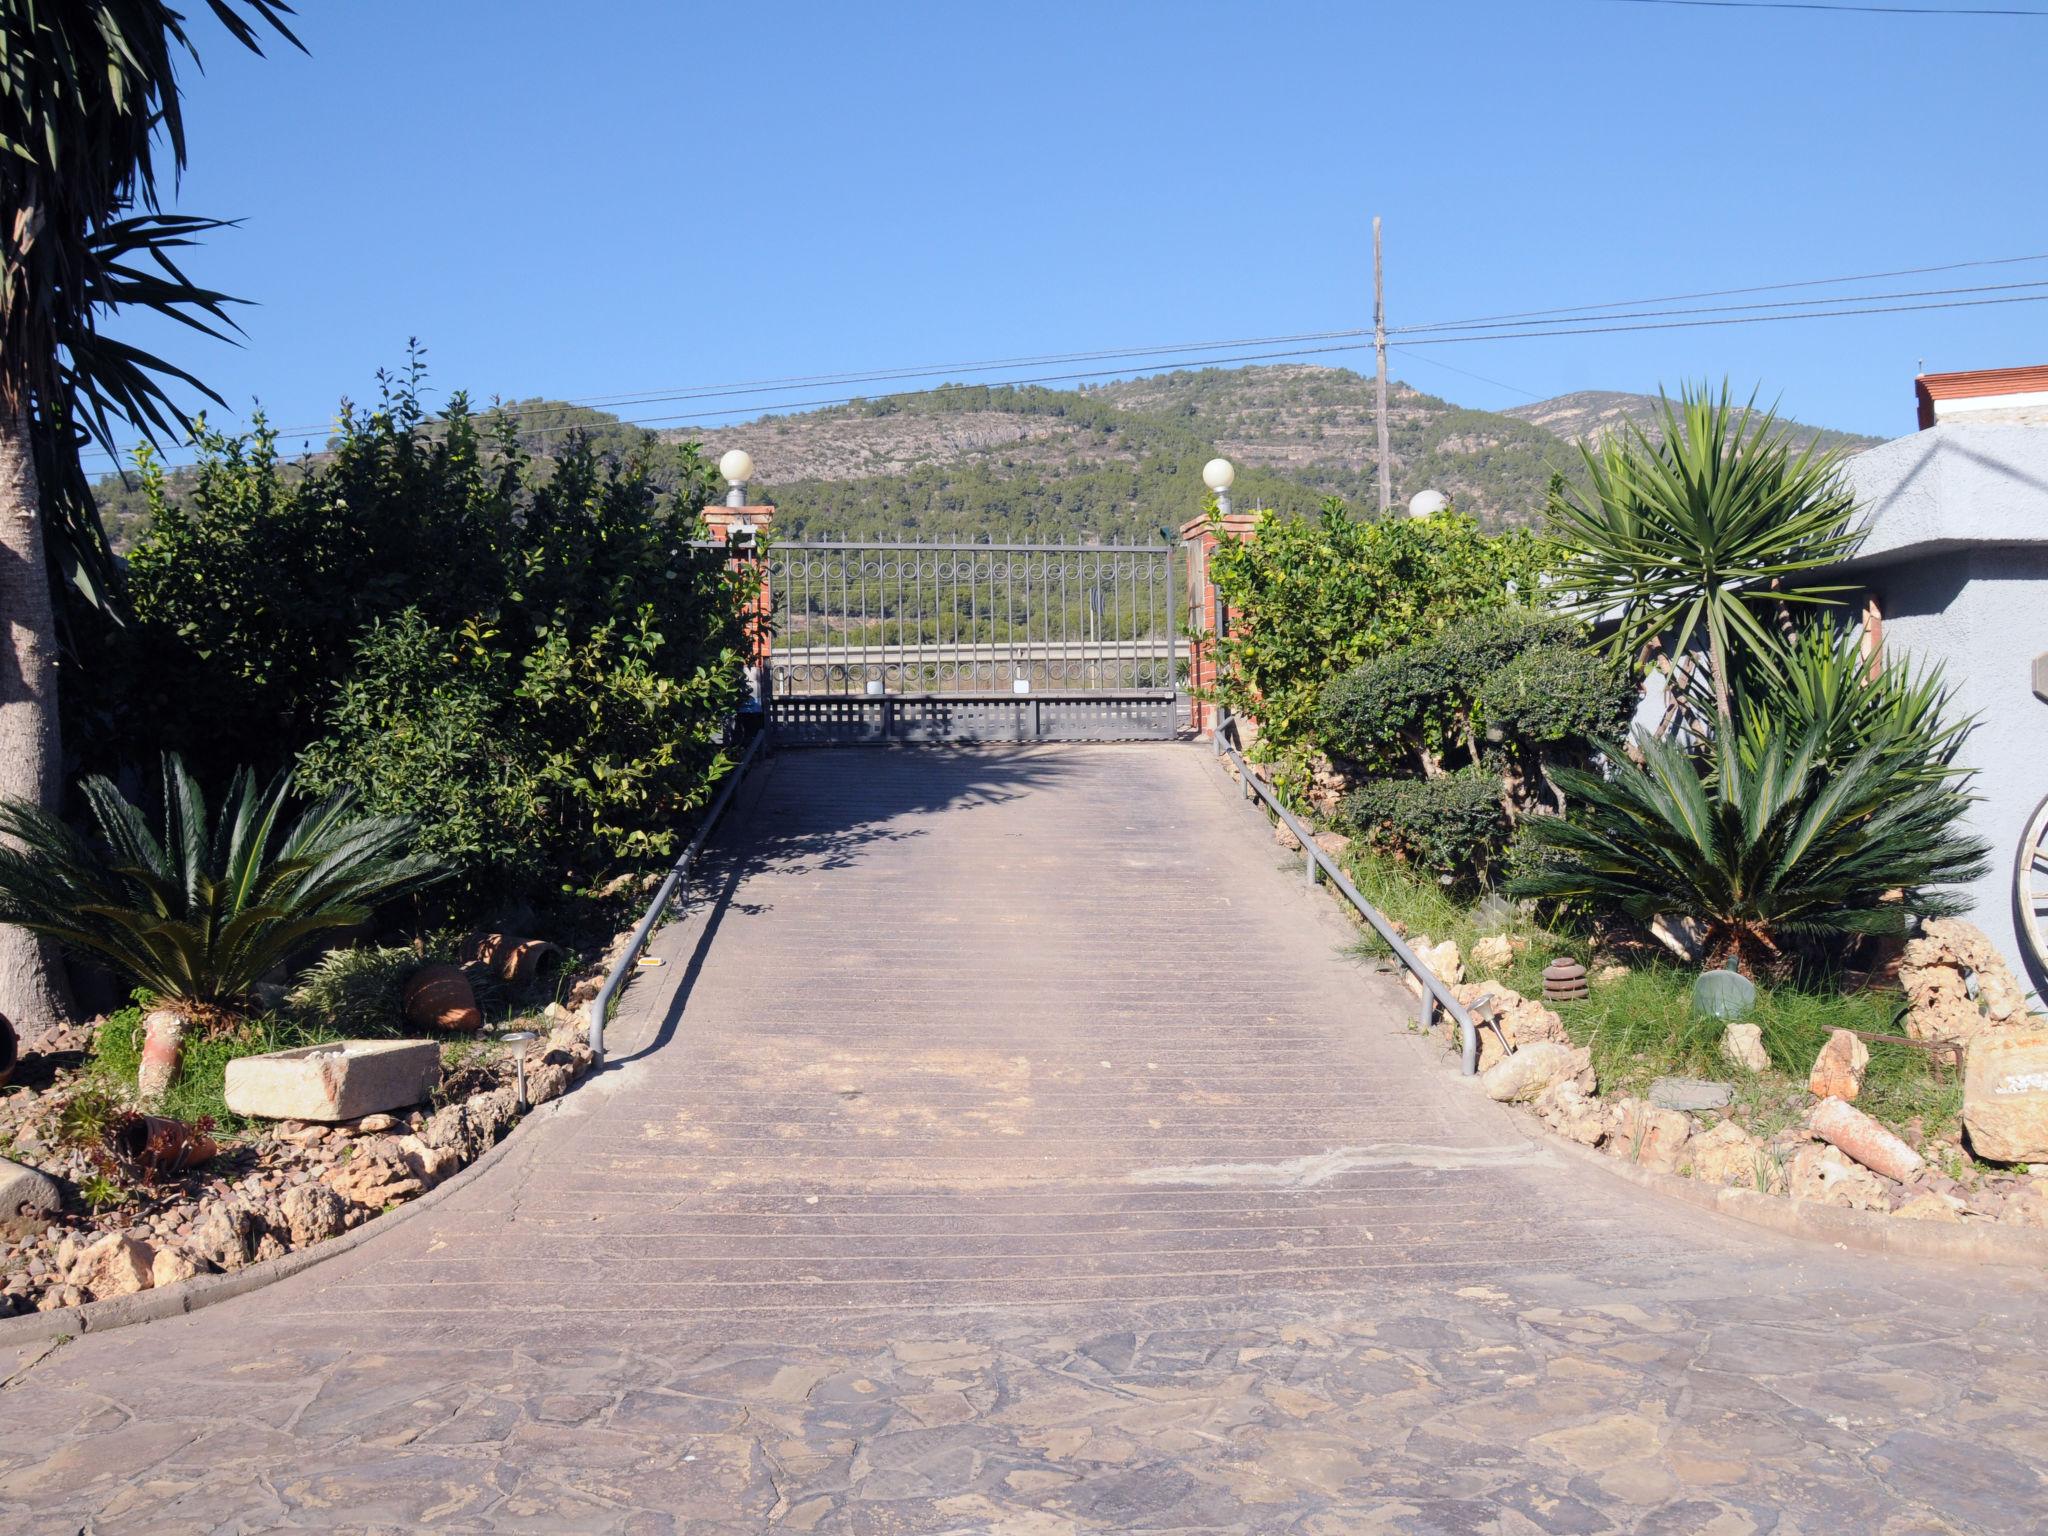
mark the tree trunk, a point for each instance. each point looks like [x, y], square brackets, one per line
[32, 988]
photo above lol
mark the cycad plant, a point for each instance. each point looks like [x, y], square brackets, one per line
[1698, 532]
[199, 916]
[1772, 847]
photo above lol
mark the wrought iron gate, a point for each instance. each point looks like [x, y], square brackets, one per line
[972, 642]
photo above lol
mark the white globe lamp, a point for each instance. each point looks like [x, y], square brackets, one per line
[737, 465]
[1427, 503]
[1218, 474]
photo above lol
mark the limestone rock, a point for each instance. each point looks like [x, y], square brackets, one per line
[1690, 1093]
[115, 1265]
[375, 1176]
[1742, 1045]
[1284, 836]
[1333, 843]
[1534, 1068]
[1685, 937]
[1443, 959]
[225, 1236]
[429, 1164]
[1932, 1206]
[28, 1198]
[1650, 1135]
[1820, 1173]
[1524, 1020]
[2005, 1095]
[1838, 1070]
[1936, 970]
[171, 1265]
[471, 1126]
[1728, 1155]
[1846, 1127]
[1493, 954]
[1572, 1112]
[312, 1212]
[1609, 974]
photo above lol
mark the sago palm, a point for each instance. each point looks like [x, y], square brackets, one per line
[199, 916]
[1767, 849]
[1700, 530]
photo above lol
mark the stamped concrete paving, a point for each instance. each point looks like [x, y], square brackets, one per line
[1026, 1156]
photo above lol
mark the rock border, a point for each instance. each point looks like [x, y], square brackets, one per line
[202, 1291]
[1871, 1231]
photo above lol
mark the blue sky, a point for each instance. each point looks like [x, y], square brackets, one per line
[657, 195]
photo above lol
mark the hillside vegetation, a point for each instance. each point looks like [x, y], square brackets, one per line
[1117, 461]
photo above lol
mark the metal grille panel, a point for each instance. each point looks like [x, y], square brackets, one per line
[973, 642]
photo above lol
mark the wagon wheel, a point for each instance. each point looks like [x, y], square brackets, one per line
[2030, 885]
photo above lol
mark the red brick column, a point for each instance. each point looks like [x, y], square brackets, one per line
[1198, 538]
[720, 522]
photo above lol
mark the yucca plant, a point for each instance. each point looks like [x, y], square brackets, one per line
[199, 916]
[1699, 532]
[1823, 681]
[1775, 850]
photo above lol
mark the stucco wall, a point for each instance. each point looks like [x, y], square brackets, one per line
[1983, 614]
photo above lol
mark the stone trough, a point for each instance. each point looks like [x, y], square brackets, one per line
[337, 1080]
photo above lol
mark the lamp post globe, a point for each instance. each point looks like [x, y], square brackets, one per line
[1218, 474]
[737, 465]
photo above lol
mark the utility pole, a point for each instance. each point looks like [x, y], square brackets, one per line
[1379, 347]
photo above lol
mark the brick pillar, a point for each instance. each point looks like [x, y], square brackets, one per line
[1198, 537]
[721, 522]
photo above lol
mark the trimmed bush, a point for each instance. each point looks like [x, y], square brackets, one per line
[1453, 826]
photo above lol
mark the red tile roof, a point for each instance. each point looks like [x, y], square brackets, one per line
[1976, 383]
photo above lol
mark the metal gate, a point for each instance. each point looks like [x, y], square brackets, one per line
[972, 642]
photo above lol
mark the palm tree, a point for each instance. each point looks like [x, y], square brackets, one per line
[1702, 530]
[89, 104]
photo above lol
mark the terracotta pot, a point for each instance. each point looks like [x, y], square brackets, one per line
[10, 1050]
[439, 997]
[163, 1037]
[511, 959]
[156, 1146]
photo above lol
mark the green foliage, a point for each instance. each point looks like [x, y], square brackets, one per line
[1644, 1026]
[1771, 853]
[1515, 674]
[198, 1089]
[88, 99]
[1452, 825]
[1311, 598]
[1705, 530]
[1555, 695]
[357, 991]
[199, 916]
[531, 660]
[416, 731]
[1823, 682]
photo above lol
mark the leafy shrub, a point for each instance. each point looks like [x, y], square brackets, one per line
[1776, 854]
[357, 991]
[1452, 825]
[201, 915]
[532, 661]
[416, 732]
[1310, 598]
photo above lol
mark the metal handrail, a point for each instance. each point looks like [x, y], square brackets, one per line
[601, 1005]
[1434, 993]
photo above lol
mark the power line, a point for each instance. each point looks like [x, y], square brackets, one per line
[1866, 10]
[1729, 309]
[1730, 293]
[886, 375]
[1686, 325]
[1437, 362]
